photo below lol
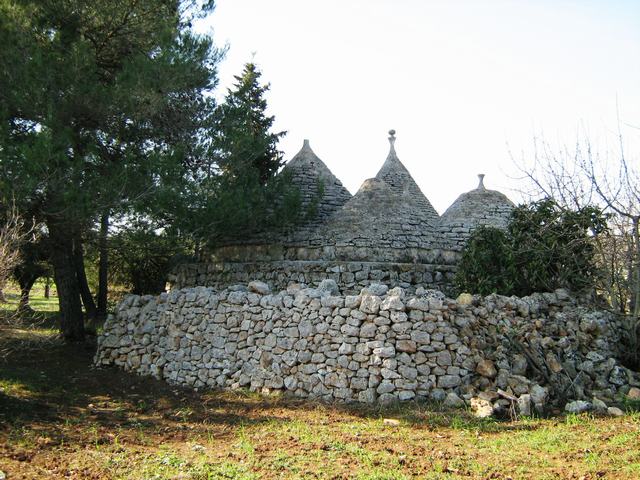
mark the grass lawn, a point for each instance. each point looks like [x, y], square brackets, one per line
[43, 306]
[62, 418]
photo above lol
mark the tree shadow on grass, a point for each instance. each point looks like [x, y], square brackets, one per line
[47, 385]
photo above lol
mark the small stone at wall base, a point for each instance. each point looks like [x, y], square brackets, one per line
[453, 401]
[615, 412]
[578, 406]
[481, 407]
[524, 405]
[437, 395]
[598, 405]
[634, 393]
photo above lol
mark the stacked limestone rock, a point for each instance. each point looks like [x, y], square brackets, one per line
[351, 276]
[379, 346]
[389, 222]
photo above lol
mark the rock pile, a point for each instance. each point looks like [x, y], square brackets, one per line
[493, 353]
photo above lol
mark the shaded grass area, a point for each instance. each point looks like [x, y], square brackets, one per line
[62, 418]
[28, 329]
[41, 305]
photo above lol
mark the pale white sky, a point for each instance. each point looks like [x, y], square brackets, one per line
[461, 82]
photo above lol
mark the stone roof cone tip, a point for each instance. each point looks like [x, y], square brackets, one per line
[396, 175]
[305, 153]
[309, 165]
[481, 182]
[392, 141]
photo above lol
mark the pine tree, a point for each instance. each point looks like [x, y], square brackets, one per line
[244, 197]
[103, 108]
[244, 136]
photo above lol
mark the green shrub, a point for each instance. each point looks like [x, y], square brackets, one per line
[487, 263]
[545, 247]
[142, 258]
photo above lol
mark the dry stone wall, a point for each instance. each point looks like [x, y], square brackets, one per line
[350, 276]
[381, 345]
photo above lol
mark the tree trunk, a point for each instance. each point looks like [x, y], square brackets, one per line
[196, 249]
[24, 306]
[26, 282]
[85, 291]
[103, 267]
[635, 268]
[64, 270]
[47, 288]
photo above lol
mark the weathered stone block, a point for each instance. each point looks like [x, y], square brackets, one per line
[370, 304]
[406, 346]
[392, 302]
[448, 381]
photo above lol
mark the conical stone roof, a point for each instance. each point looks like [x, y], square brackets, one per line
[387, 219]
[320, 189]
[396, 175]
[478, 207]
[368, 216]
[321, 194]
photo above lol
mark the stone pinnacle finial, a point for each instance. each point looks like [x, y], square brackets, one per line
[392, 141]
[481, 183]
[305, 144]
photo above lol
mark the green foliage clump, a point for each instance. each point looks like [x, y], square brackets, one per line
[545, 247]
[243, 194]
[104, 107]
[487, 263]
[243, 129]
[142, 258]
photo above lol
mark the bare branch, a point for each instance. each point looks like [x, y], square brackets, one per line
[14, 233]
